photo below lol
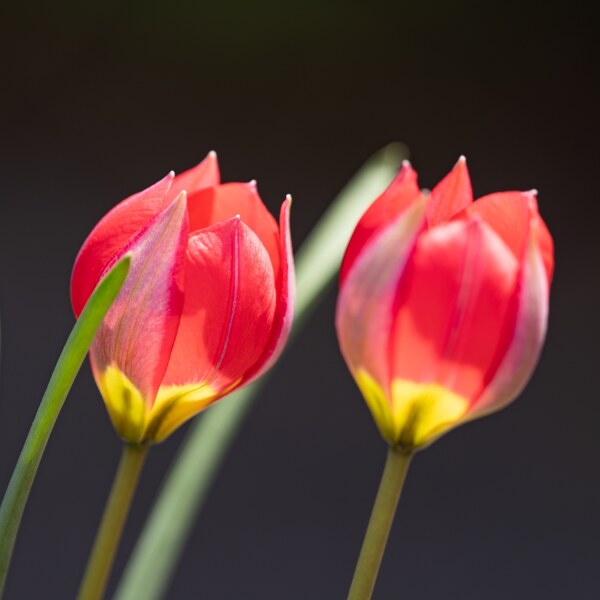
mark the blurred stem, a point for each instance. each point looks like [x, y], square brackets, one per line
[67, 367]
[380, 523]
[188, 482]
[110, 530]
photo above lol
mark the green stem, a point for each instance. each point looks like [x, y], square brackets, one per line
[380, 523]
[67, 367]
[110, 530]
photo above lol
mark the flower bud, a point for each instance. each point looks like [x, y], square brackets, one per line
[443, 304]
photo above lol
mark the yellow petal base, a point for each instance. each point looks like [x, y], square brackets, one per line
[415, 414]
[137, 423]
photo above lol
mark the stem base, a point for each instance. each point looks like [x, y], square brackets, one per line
[380, 523]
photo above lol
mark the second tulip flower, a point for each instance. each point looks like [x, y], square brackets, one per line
[443, 304]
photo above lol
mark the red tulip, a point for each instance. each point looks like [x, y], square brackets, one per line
[443, 303]
[207, 305]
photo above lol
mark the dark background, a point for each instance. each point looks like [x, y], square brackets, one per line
[100, 100]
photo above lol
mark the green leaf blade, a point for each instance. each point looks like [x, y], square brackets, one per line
[67, 367]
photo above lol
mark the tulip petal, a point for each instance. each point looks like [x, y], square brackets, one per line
[397, 197]
[364, 315]
[206, 174]
[451, 195]
[510, 215]
[529, 331]
[216, 204]
[230, 300]
[127, 408]
[138, 332]
[174, 405]
[453, 308]
[111, 235]
[286, 291]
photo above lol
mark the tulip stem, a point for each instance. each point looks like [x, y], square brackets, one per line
[110, 530]
[380, 523]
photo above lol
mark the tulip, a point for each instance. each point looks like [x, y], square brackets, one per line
[207, 305]
[443, 304]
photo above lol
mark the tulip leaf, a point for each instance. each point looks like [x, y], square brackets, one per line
[189, 480]
[62, 378]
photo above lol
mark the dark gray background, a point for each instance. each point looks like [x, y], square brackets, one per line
[99, 100]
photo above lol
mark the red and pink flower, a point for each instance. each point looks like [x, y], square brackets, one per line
[443, 306]
[207, 305]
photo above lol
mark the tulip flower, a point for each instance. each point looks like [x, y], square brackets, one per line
[443, 305]
[206, 308]
[441, 318]
[207, 305]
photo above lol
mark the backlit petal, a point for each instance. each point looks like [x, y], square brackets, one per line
[111, 235]
[396, 198]
[510, 214]
[206, 174]
[216, 204]
[138, 331]
[451, 195]
[230, 300]
[453, 308]
[286, 291]
[527, 336]
[364, 315]
[174, 405]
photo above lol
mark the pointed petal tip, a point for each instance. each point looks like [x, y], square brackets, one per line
[406, 176]
[460, 168]
[212, 160]
[532, 200]
[167, 179]
[180, 201]
[406, 169]
[165, 182]
[252, 186]
[451, 195]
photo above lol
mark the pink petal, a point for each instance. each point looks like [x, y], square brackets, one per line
[396, 198]
[206, 174]
[454, 308]
[529, 327]
[111, 235]
[286, 290]
[364, 315]
[230, 300]
[138, 332]
[212, 205]
[509, 214]
[451, 195]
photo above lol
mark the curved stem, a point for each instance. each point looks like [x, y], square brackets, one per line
[67, 367]
[380, 523]
[110, 530]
